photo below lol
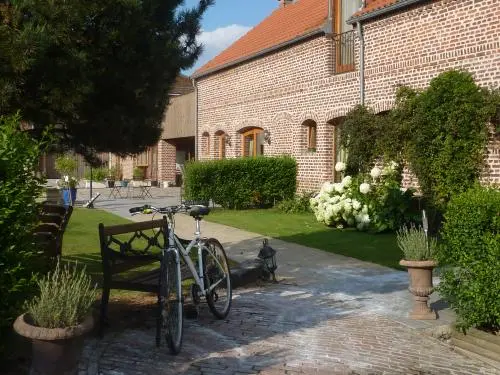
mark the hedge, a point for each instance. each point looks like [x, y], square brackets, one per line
[242, 183]
[470, 255]
[20, 260]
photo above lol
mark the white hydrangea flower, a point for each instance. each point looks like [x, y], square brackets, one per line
[66, 178]
[326, 187]
[339, 167]
[336, 208]
[365, 219]
[364, 188]
[365, 209]
[360, 226]
[339, 188]
[358, 218]
[313, 202]
[340, 226]
[393, 165]
[347, 207]
[346, 181]
[375, 173]
[356, 205]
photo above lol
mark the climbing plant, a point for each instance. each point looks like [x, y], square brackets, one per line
[447, 125]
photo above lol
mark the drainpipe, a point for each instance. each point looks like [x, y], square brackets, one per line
[195, 119]
[361, 63]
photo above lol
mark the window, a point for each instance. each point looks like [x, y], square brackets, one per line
[252, 142]
[220, 144]
[344, 38]
[205, 144]
[311, 134]
[339, 152]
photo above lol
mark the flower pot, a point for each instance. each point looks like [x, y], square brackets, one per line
[420, 274]
[69, 196]
[55, 350]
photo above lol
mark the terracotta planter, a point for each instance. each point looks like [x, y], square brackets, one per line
[55, 350]
[420, 274]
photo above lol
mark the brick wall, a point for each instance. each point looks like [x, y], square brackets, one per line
[166, 161]
[281, 91]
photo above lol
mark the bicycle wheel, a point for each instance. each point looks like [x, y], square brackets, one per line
[217, 278]
[170, 300]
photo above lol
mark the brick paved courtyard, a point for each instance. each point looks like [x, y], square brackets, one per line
[281, 329]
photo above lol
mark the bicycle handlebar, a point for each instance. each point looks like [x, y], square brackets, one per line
[161, 210]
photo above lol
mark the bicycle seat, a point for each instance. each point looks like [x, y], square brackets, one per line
[198, 211]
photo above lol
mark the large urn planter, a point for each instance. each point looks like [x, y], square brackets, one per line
[420, 275]
[55, 350]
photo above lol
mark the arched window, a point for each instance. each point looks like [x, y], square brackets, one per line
[252, 142]
[220, 144]
[205, 144]
[339, 152]
[311, 133]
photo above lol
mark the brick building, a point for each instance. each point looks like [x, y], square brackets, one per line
[285, 86]
[161, 162]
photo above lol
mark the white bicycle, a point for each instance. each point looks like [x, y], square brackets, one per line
[211, 274]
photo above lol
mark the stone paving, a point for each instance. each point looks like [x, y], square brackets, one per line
[328, 315]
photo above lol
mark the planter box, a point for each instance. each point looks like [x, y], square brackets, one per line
[479, 345]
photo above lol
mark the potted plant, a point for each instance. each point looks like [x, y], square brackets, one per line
[112, 176]
[66, 165]
[418, 252]
[138, 174]
[57, 319]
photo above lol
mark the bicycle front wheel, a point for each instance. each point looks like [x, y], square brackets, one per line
[170, 301]
[217, 278]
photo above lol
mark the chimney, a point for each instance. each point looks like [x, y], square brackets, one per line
[285, 2]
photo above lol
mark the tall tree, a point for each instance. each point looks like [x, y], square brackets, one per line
[98, 70]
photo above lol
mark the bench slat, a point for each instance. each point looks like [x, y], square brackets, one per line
[132, 227]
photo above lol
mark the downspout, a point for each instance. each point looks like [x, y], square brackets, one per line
[195, 119]
[361, 63]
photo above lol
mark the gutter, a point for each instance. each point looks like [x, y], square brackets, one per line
[361, 63]
[261, 53]
[382, 11]
[195, 119]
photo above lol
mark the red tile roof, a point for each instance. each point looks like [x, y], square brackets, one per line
[284, 24]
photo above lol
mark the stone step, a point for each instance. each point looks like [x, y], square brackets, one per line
[477, 348]
[481, 339]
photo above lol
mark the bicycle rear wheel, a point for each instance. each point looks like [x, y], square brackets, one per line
[217, 278]
[170, 320]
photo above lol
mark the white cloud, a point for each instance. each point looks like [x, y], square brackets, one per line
[216, 41]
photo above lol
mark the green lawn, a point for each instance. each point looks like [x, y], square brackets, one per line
[305, 230]
[81, 239]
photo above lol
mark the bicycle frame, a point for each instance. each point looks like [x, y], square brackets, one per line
[175, 245]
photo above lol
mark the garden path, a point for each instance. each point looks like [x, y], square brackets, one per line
[329, 314]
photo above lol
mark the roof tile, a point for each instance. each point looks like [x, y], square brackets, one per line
[284, 24]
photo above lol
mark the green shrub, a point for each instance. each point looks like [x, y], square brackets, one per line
[19, 189]
[298, 204]
[242, 183]
[447, 123]
[66, 296]
[471, 254]
[98, 174]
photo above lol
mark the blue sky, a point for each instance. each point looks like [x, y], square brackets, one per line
[226, 21]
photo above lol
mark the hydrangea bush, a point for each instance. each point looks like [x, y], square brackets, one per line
[374, 201]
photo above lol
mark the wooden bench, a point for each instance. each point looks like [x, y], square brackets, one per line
[125, 248]
[50, 231]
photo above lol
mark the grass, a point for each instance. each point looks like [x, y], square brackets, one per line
[81, 239]
[305, 230]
